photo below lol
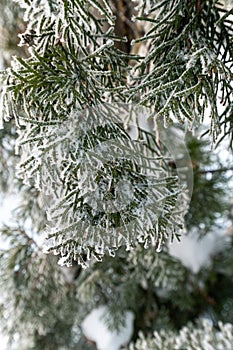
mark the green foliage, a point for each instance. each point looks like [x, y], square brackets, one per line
[7, 157]
[72, 60]
[222, 276]
[53, 86]
[209, 187]
[189, 60]
[35, 307]
[74, 149]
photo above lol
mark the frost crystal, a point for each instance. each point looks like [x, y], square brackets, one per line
[102, 188]
[202, 337]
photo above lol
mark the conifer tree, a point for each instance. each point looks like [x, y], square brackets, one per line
[103, 101]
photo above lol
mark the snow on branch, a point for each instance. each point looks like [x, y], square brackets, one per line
[201, 336]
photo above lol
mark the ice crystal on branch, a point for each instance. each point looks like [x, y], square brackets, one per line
[203, 336]
[104, 189]
[72, 61]
[159, 269]
[189, 62]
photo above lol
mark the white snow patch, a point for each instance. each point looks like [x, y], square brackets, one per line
[95, 329]
[8, 204]
[194, 252]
